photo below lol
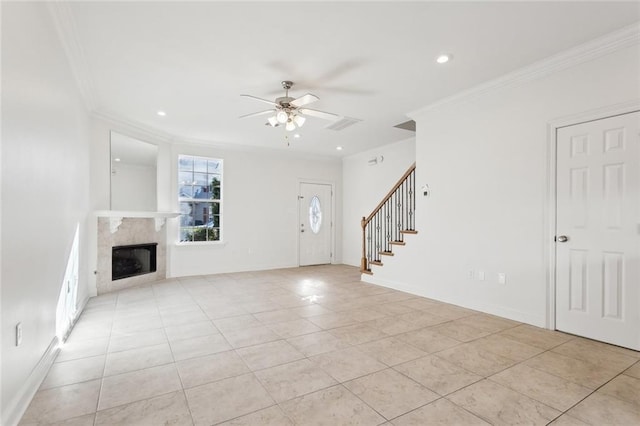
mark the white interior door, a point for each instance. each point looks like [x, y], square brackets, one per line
[315, 224]
[598, 230]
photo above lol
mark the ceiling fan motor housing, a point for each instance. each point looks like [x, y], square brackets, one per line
[284, 101]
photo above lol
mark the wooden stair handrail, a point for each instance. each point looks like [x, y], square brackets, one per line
[389, 194]
[364, 264]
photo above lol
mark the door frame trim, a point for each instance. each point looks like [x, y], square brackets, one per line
[332, 233]
[550, 204]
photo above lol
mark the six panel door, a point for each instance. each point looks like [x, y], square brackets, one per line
[598, 230]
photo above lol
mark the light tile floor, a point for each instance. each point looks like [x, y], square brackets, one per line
[315, 346]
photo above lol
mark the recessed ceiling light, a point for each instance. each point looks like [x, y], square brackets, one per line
[339, 148]
[162, 113]
[297, 135]
[116, 160]
[443, 58]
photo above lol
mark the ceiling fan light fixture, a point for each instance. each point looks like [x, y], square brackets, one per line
[299, 120]
[290, 125]
[282, 117]
[273, 121]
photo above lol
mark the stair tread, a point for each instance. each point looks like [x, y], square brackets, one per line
[386, 253]
[397, 243]
[408, 231]
[367, 271]
[375, 262]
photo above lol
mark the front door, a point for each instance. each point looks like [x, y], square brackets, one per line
[315, 223]
[598, 230]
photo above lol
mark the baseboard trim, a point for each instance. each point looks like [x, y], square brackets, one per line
[524, 317]
[16, 408]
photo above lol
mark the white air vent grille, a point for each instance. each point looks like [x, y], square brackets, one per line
[343, 123]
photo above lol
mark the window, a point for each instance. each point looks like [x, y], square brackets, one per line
[200, 197]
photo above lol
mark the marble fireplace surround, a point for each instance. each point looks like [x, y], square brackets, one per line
[126, 228]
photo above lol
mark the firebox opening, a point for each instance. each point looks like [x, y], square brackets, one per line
[132, 260]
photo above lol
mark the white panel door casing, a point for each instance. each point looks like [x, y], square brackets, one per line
[598, 210]
[315, 223]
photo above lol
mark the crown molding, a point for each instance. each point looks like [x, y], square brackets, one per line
[66, 28]
[152, 134]
[617, 40]
[141, 130]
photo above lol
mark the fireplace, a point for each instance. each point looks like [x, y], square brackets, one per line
[132, 260]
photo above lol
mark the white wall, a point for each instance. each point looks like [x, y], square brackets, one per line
[260, 192]
[260, 210]
[364, 187]
[486, 162]
[45, 192]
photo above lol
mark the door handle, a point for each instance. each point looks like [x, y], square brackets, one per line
[562, 238]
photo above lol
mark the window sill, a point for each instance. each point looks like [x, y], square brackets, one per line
[201, 244]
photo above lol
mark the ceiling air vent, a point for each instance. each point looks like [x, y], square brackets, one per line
[407, 125]
[343, 123]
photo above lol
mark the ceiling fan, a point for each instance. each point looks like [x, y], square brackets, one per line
[288, 111]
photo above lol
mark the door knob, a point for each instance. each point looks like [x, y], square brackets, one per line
[562, 238]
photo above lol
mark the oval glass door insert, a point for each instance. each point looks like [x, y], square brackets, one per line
[315, 214]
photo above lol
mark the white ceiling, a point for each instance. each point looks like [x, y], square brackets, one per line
[369, 60]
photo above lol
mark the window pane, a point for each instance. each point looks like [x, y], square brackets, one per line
[200, 234]
[200, 179]
[186, 191]
[201, 213]
[200, 165]
[201, 192]
[213, 166]
[214, 184]
[186, 218]
[215, 208]
[213, 234]
[186, 234]
[185, 163]
[185, 178]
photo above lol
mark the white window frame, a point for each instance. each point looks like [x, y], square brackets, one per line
[219, 200]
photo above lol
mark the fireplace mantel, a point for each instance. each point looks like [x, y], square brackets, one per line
[116, 216]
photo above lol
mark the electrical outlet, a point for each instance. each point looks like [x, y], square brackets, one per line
[481, 275]
[502, 278]
[18, 334]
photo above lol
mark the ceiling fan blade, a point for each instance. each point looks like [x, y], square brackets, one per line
[304, 100]
[255, 114]
[319, 114]
[266, 101]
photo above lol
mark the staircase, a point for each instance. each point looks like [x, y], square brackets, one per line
[389, 222]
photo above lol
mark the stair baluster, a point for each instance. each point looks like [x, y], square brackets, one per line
[389, 221]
